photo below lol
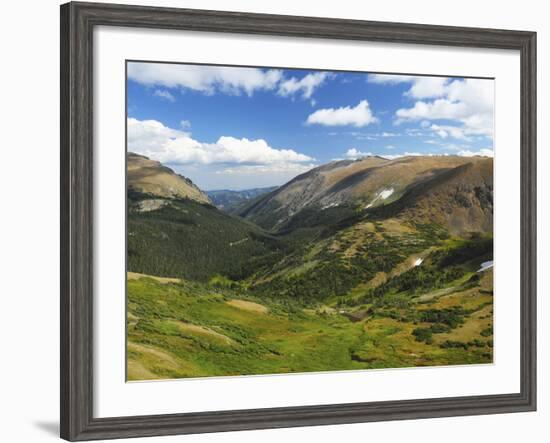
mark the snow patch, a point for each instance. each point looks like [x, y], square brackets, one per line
[382, 195]
[485, 265]
[385, 193]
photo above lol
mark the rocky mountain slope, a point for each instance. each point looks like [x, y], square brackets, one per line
[461, 187]
[151, 177]
[345, 226]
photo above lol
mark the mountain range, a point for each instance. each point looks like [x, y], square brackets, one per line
[372, 263]
[453, 191]
[230, 201]
[325, 219]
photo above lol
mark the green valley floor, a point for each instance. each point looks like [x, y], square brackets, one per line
[179, 328]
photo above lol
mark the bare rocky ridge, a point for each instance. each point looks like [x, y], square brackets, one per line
[450, 190]
[151, 177]
[460, 199]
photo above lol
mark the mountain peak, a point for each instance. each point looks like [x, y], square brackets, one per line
[151, 177]
[372, 182]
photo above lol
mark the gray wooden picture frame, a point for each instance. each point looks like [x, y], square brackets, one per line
[77, 23]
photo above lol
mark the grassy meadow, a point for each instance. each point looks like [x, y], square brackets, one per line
[179, 328]
[341, 286]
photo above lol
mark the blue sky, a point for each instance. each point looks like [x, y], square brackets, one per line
[238, 128]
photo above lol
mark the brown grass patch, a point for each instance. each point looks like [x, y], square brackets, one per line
[136, 371]
[248, 306]
[153, 352]
[137, 276]
[202, 330]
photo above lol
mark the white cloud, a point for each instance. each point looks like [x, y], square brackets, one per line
[409, 154]
[441, 108]
[415, 132]
[185, 124]
[150, 135]
[364, 135]
[484, 152]
[427, 87]
[360, 115]
[354, 154]
[374, 135]
[206, 79]
[226, 79]
[389, 78]
[421, 86]
[279, 168]
[455, 132]
[305, 86]
[166, 95]
[172, 146]
[469, 102]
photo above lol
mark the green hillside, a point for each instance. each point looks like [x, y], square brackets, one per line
[187, 239]
[186, 329]
[353, 265]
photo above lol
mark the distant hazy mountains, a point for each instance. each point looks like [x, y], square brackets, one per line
[321, 234]
[230, 201]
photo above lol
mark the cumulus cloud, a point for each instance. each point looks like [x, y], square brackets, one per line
[389, 78]
[305, 86]
[469, 102]
[411, 154]
[484, 152]
[441, 108]
[279, 168]
[206, 79]
[173, 146]
[354, 154]
[421, 86]
[358, 116]
[146, 136]
[226, 79]
[444, 131]
[166, 95]
[427, 87]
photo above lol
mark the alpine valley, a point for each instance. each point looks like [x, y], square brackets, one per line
[355, 264]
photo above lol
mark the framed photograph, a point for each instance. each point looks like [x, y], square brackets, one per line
[272, 221]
